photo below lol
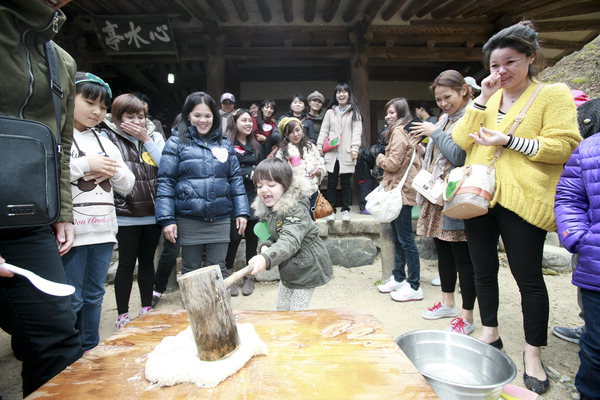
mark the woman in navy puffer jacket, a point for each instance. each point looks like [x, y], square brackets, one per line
[200, 186]
[577, 209]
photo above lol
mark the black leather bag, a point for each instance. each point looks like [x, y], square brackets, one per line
[30, 171]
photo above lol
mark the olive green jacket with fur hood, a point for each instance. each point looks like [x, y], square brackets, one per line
[25, 89]
[294, 244]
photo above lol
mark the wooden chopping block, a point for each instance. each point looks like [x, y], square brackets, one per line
[209, 312]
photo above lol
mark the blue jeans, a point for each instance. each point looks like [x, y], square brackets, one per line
[586, 381]
[86, 268]
[405, 249]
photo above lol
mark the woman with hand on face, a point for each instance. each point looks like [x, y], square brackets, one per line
[248, 153]
[200, 186]
[527, 172]
[452, 95]
[141, 146]
[342, 123]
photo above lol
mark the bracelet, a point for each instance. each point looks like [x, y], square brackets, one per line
[479, 106]
[510, 140]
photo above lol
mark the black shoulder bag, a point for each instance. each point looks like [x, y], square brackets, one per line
[30, 172]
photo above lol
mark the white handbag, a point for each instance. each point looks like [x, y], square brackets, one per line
[386, 206]
[431, 189]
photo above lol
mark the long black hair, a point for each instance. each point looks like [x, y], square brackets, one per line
[345, 87]
[232, 132]
[189, 104]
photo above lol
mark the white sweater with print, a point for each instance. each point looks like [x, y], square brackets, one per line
[94, 214]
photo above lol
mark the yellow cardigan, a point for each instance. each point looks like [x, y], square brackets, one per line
[526, 185]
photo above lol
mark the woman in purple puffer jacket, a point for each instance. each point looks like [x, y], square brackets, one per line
[577, 209]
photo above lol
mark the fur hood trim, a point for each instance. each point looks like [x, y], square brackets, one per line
[299, 191]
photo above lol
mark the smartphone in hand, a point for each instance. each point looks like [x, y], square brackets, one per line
[410, 125]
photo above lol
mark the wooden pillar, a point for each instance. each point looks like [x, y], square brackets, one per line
[359, 77]
[215, 65]
[388, 259]
[209, 312]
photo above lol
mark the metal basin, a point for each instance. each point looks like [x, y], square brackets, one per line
[458, 367]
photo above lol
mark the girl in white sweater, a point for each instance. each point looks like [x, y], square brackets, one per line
[96, 169]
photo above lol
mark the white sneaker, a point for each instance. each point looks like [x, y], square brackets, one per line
[438, 310]
[330, 217]
[346, 215]
[460, 325]
[390, 285]
[436, 281]
[407, 293]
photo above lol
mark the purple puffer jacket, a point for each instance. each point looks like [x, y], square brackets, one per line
[577, 209]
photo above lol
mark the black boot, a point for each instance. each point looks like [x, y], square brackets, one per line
[248, 287]
[364, 188]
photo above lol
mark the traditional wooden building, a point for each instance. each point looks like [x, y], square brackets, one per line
[260, 49]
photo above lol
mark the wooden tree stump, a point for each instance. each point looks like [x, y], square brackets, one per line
[209, 312]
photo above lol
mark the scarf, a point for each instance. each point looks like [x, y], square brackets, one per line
[441, 164]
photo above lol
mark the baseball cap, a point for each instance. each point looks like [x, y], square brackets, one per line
[227, 96]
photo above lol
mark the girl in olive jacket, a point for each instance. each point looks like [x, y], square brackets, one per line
[294, 243]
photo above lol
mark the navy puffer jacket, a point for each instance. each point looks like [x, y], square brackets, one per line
[199, 178]
[577, 209]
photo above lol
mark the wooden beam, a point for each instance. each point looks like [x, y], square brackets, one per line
[459, 10]
[331, 7]
[561, 44]
[194, 9]
[265, 11]
[240, 7]
[565, 26]
[288, 10]
[448, 8]
[392, 9]
[372, 9]
[219, 9]
[479, 8]
[351, 10]
[563, 9]
[310, 10]
[429, 6]
[411, 9]
[440, 54]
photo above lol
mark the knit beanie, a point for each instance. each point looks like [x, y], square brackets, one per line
[286, 120]
[316, 95]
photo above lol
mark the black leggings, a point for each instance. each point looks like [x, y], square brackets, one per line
[524, 244]
[135, 243]
[454, 257]
[345, 182]
[234, 243]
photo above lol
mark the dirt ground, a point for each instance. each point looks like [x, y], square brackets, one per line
[355, 288]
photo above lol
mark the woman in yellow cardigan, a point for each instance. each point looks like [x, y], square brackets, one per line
[527, 172]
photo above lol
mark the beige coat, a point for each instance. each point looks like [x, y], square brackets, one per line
[394, 163]
[349, 131]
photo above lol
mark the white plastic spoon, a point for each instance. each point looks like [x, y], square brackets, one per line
[46, 286]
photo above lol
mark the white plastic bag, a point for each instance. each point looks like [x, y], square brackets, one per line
[384, 206]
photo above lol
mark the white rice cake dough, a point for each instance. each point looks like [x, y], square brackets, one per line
[175, 359]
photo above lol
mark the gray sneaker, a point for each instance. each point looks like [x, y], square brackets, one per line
[569, 334]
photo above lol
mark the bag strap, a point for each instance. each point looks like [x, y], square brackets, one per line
[515, 124]
[57, 92]
[521, 115]
[412, 159]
